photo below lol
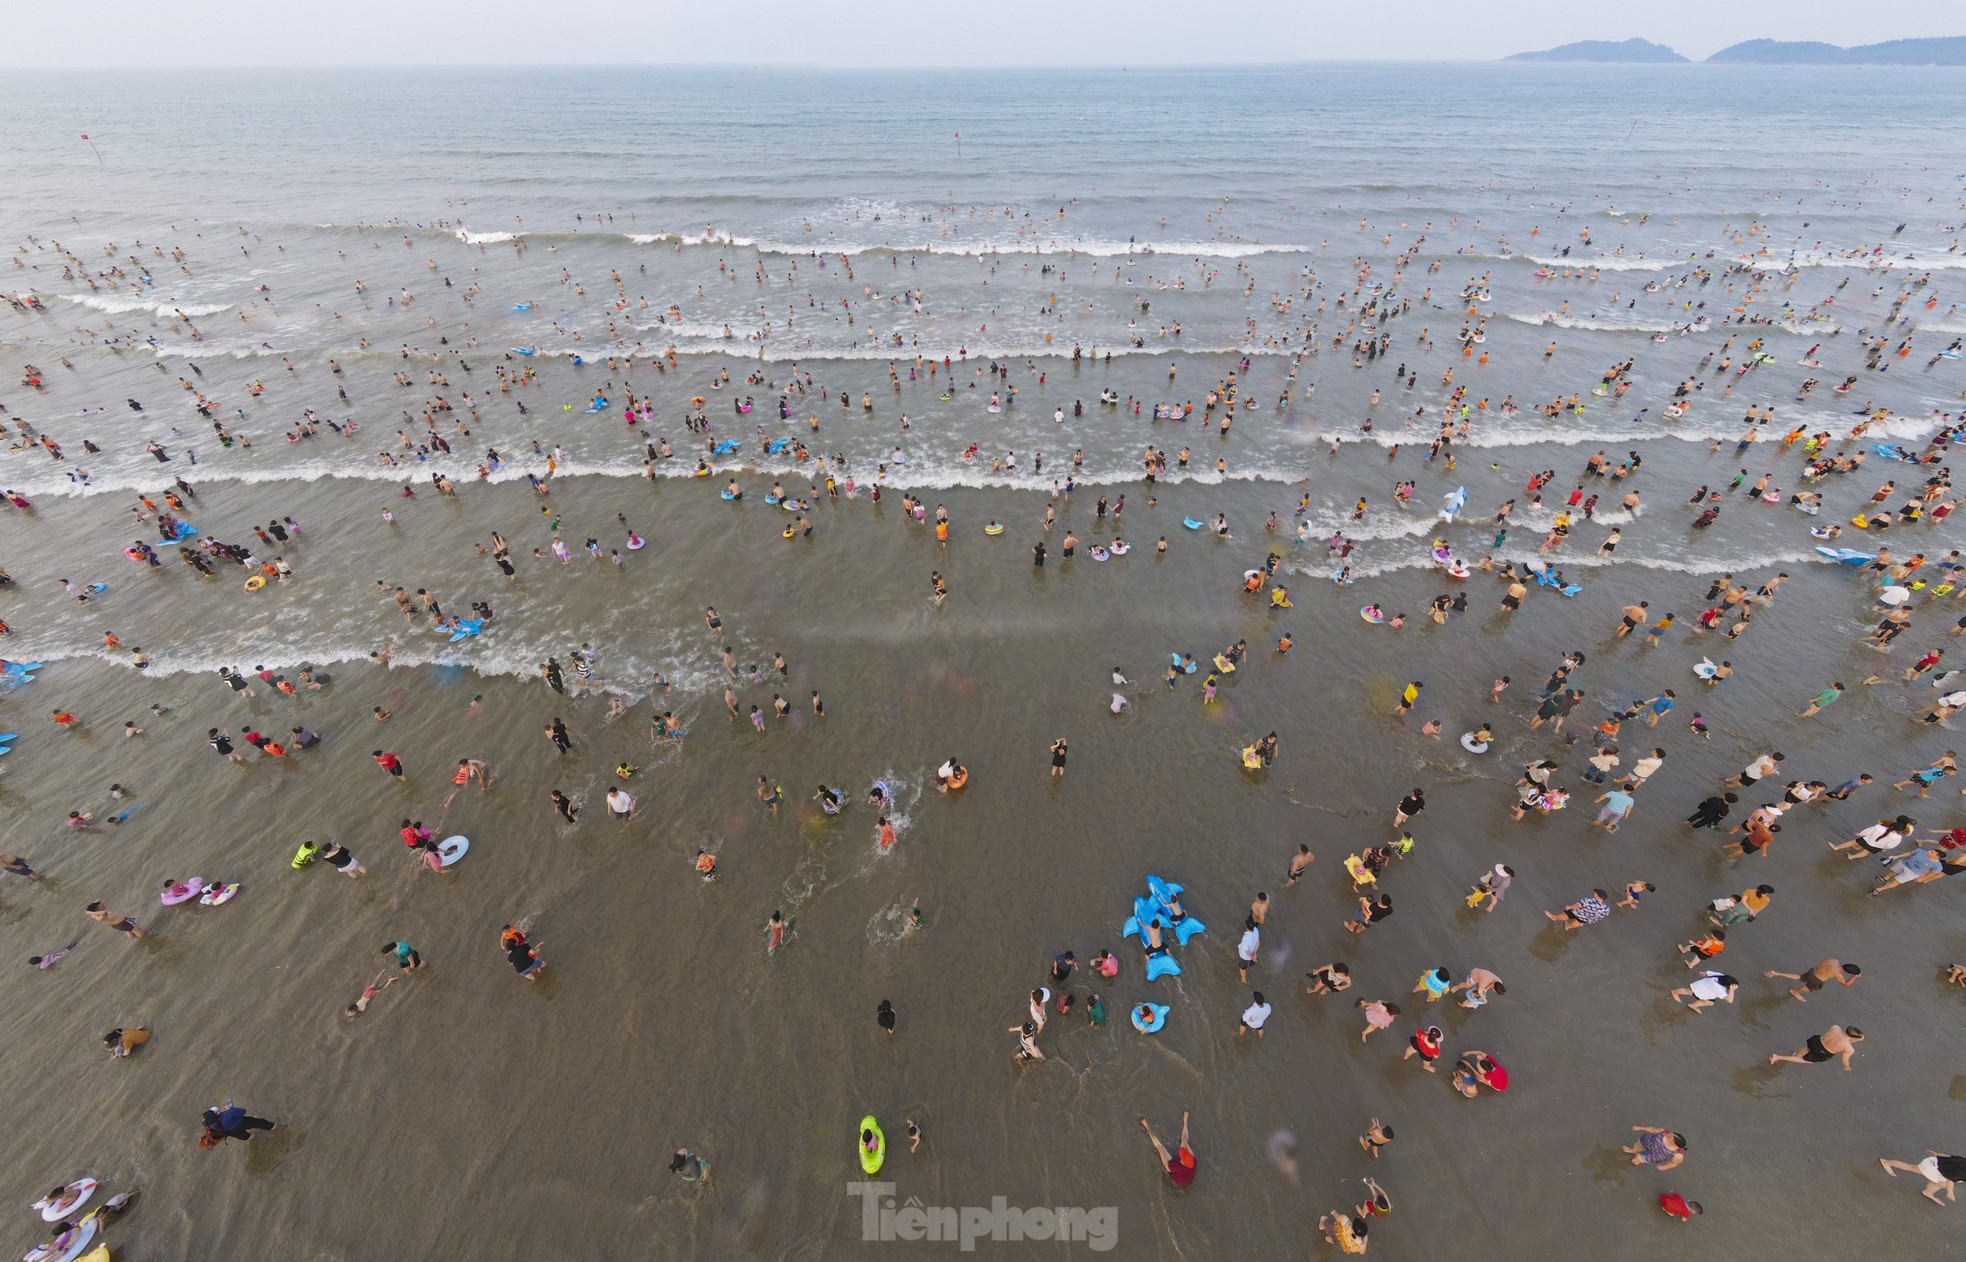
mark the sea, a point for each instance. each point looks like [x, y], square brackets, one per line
[620, 295]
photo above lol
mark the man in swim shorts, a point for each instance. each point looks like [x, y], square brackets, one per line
[1819, 975]
[122, 924]
[1830, 1044]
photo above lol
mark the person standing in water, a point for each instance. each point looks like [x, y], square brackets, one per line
[230, 1122]
[689, 1167]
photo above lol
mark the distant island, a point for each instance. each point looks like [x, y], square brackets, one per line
[1631, 50]
[1949, 50]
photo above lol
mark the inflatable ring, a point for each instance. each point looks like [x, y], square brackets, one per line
[727, 495]
[871, 1162]
[993, 529]
[1191, 523]
[1473, 746]
[182, 892]
[1153, 1024]
[958, 780]
[256, 582]
[791, 532]
[132, 554]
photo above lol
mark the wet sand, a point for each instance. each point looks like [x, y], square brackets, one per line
[661, 1021]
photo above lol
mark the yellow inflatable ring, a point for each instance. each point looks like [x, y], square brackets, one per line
[993, 530]
[256, 582]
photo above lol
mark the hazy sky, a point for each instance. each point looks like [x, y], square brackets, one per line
[909, 32]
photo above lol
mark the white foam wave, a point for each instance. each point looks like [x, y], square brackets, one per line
[201, 350]
[162, 310]
[1607, 325]
[1423, 560]
[484, 655]
[1866, 262]
[483, 238]
[781, 351]
[921, 472]
[1144, 251]
[1609, 263]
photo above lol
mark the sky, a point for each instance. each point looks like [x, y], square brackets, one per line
[874, 33]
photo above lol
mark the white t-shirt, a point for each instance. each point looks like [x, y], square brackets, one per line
[1880, 837]
[1646, 766]
[619, 802]
[1709, 986]
[1246, 949]
[1255, 1015]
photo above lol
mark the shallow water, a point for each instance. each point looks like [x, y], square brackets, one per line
[468, 1111]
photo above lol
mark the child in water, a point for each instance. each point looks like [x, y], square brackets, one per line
[369, 993]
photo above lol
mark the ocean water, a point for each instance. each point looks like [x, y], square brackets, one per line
[867, 247]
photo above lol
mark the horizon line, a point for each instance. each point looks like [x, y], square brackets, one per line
[833, 68]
